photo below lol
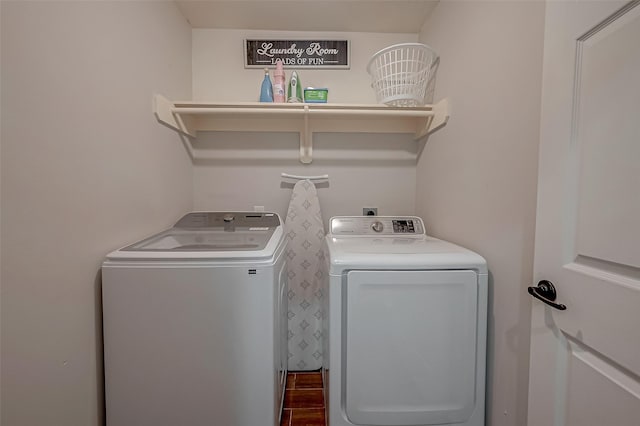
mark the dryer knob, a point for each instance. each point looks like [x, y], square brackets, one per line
[228, 218]
[377, 226]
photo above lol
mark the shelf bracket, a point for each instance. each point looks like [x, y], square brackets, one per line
[441, 114]
[163, 109]
[306, 142]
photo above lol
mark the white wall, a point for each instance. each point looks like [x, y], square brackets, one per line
[219, 73]
[85, 168]
[242, 170]
[476, 179]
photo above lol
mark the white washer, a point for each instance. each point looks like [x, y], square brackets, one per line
[195, 325]
[406, 326]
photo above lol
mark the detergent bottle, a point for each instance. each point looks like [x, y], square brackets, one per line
[295, 88]
[278, 83]
[266, 91]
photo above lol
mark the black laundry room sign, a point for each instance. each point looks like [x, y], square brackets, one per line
[297, 53]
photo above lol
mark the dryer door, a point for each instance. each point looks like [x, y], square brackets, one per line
[410, 347]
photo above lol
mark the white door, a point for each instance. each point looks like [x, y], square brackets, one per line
[585, 360]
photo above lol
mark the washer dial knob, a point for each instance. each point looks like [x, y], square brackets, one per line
[377, 226]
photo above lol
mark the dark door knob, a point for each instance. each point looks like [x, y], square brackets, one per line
[546, 292]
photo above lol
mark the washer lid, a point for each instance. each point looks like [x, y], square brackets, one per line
[396, 253]
[354, 243]
[210, 235]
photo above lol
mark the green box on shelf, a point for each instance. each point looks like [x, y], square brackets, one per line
[318, 96]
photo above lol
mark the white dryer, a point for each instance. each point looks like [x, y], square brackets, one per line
[405, 327]
[195, 324]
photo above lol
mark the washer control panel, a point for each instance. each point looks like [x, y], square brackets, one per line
[376, 225]
[405, 226]
[228, 220]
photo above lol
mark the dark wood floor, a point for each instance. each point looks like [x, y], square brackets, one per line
[303, 400]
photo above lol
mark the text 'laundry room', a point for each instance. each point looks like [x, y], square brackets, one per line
[319, 213]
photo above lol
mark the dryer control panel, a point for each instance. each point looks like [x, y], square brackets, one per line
[376, 225]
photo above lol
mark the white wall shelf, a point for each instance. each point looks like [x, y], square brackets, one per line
[191, 117]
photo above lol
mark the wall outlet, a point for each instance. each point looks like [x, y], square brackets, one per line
[369, 211]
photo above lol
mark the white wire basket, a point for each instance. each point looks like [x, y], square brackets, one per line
[404, 74]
